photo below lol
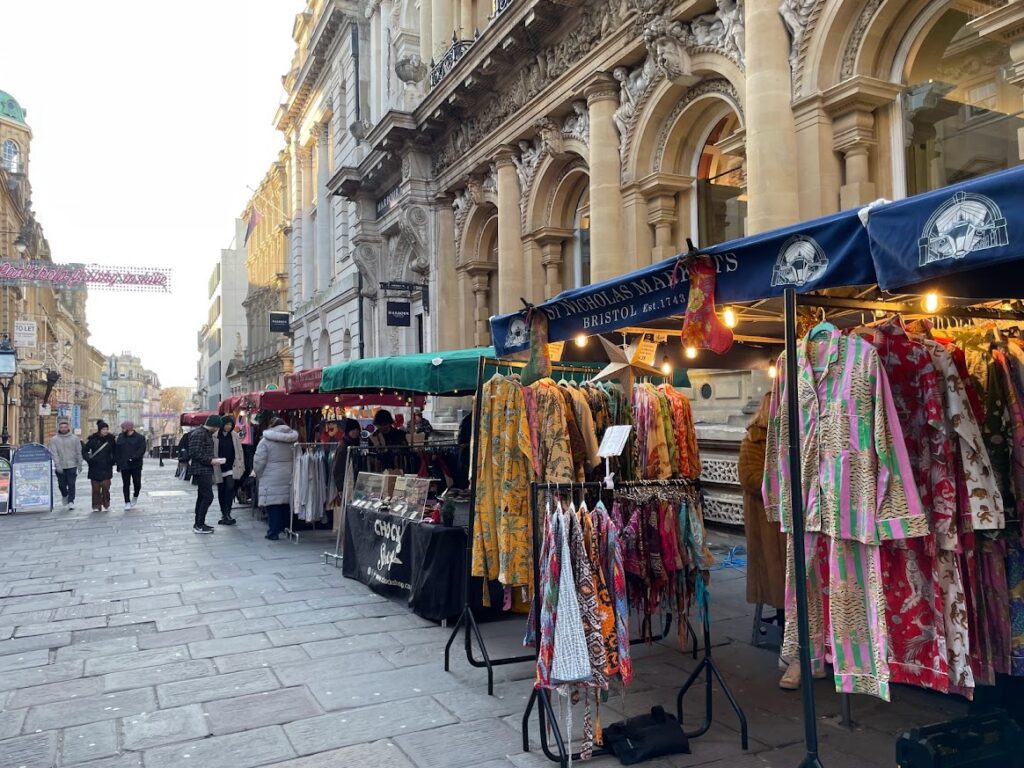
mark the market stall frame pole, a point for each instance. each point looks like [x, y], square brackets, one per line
[811, 760]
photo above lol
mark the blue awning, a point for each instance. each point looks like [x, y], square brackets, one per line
[961, 240]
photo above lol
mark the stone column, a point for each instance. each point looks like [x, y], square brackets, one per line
[511, 272]
[1006, 25]
[771, 130]
[479, 273]
[447, 292]
[852, 105]
[308, 235]
[607, 250]
[442, 25]
[295, 238]
[661, 190]
[466, 21]
[551, 242]
[324, 212]
[426, 48]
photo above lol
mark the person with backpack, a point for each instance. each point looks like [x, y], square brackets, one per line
[99, 455]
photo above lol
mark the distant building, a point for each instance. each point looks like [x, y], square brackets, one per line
[225, 330]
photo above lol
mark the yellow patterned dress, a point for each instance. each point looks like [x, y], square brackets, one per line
[502, 528]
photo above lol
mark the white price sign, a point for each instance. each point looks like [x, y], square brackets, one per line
[614, 441]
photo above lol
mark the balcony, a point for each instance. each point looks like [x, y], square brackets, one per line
[452, 56]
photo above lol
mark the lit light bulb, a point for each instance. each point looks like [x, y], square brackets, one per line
[930, 302]
[666, 366]
[691, 352]
[729, 317]
[773, 371]
[581, 340]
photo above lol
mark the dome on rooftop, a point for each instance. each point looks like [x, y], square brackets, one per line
[11, 109]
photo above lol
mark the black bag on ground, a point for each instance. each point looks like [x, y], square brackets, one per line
[647, 736]
[991, 740]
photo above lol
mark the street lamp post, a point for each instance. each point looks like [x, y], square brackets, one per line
[8, 370]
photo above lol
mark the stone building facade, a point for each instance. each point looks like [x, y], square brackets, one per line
[267, 356]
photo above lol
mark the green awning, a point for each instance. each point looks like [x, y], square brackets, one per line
[429, 373]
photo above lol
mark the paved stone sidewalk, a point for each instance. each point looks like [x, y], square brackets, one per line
[126, 640]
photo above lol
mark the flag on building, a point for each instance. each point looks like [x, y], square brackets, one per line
[254, 219]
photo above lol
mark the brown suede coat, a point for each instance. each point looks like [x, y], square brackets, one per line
[766, 546]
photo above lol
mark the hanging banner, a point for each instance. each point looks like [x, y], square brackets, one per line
[25, 334]
[32, 479]
[825, 253]
[399, 314]
[76, 418]
[81, 276]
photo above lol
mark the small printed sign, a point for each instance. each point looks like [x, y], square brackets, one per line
[555, 350]
[614, 441]
[646, 349]
[280, 322]
[25, 334]
[399, 314]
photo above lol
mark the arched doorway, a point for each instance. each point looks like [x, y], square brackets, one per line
[721, 188]
[961, 113]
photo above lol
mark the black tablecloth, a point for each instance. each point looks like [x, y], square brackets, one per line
[400, 558]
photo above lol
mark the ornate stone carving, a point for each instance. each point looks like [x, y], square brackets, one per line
[577, 123]
[460, 206]
[406, 167]
[526, 162]
[550, 135]
[853, 43]
[799, 17]
[365, 257]
[719, 32]
[666, 45]
[723, 509]
[632, 85]
[490, 182]
[411, 69]
[720, 87]
[725, 471]
[412, 245]
[596, 20]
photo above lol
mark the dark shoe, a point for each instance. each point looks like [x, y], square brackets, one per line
[201, 529]
[272, 537]
[207, 529]
[223, 521]
[229, 520]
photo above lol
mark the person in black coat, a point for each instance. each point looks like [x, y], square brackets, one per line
[130, 452]
[99, 455]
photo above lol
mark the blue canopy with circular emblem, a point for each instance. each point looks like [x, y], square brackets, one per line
[974, 230]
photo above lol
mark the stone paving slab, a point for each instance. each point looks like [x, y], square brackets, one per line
[167, 726]
[206, 649]
[460, 745]
[165, 673]
[138, 660]
[51, 640]
[52, 673]
[38, 750]
[217, 687]
[262, 746]
[89, 742]
[97, 648]
[272, 657]
[46, 694]
[379, 754]
[257, 710]
[90, 709]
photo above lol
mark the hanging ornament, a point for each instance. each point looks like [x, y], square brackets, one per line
[702, 328]
[539, 365]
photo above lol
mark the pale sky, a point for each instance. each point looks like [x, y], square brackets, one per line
[150, 122]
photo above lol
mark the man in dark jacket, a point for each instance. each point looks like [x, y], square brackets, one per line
[99, 454]
[129, 453]
[200, 456]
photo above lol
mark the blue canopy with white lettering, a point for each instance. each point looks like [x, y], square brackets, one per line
[973, 230]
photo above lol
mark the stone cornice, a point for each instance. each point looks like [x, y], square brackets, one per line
[860, 93]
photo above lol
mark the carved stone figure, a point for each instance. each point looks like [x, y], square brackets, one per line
[365, 256]
[577, 123]
[795, 14]
[550, 135]
[730, 13]
[491, 179]
[666, 43]
[631, 87]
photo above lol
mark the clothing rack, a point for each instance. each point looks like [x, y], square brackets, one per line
[467, 619]
[546, 717]
[791, 302]
[290, 531]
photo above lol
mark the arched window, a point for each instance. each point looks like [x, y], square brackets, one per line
[325, 349]
[346, 345]
[307, 354]
[12, 156]
[581, 241]
[721, 189]
[961, 113]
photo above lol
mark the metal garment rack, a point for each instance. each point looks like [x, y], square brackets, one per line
[467, 619]
[791, 301]
[547, 720]
[315, 448]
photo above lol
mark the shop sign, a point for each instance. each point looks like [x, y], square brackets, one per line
[399, 314]
[389, 200]
[280, 322]
[25, 333]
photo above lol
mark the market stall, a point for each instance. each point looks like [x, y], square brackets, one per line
[195, 418]
[940, 258]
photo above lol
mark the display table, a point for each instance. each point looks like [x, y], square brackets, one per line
[396, 557]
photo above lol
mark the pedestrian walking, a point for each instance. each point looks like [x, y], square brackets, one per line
[99, 455]
[272, 465]
[228, 446]
[130, 451]
[201, 460]
[66, 450]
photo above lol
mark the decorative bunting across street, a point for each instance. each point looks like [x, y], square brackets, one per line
[80, 276]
